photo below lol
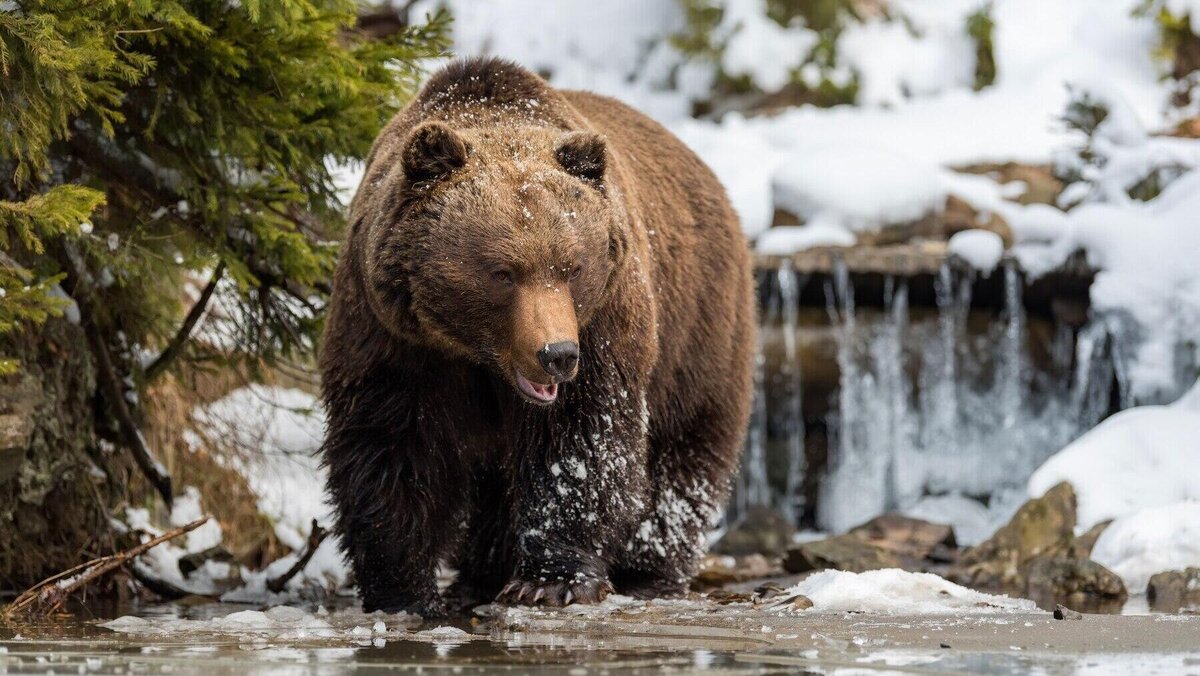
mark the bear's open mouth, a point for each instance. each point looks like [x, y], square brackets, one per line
[538, 394]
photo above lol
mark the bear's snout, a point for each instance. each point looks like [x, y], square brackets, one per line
[559, 359]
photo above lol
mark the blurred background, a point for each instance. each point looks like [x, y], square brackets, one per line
[974, 224]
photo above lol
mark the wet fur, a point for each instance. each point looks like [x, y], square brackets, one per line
[432, 455]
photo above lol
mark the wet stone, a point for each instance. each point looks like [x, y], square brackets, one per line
[1172, 590]
[1062, 612]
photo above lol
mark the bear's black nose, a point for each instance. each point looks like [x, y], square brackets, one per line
[559, 359]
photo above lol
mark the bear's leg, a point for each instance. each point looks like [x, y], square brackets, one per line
[398, 488]
[580, 484]
[689, 479]
[484, 561]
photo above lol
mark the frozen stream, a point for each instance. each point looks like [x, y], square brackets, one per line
[622, 636]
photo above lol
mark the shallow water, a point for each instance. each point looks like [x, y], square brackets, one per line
[626, 637]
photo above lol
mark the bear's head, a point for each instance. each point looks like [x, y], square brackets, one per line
[499, 245]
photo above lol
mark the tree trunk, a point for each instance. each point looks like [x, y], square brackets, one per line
[57, 483]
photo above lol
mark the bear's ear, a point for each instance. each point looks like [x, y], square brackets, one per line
[432, 151]
[584, 155]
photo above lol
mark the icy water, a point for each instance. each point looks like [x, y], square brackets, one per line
[618, 638]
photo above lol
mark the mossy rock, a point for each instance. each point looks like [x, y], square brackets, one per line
[1041, 526]
[761, 531]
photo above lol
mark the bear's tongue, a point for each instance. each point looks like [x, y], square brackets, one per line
[541, 393]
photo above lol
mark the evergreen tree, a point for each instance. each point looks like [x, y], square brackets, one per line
[145, 142]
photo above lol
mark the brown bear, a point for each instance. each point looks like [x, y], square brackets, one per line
[537, 360]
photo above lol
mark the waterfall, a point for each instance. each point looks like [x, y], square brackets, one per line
[793, 413]
[970, 422]
[926, 404]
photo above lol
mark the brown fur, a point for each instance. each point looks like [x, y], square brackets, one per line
[497, 216]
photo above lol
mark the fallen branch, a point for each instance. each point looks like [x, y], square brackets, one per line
[52, 592]
[316, 536]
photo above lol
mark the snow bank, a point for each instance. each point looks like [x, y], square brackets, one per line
[857, 186]
[758, 47]
[742, 160]
[898, 592]
[1147, 456]
[1149, 541]
[276, 433]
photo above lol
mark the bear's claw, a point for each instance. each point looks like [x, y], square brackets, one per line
[554, 593]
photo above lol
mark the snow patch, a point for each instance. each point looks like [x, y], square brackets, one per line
[1151, 540]
[981, 249]
[897, 592]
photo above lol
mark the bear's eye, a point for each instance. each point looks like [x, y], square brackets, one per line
[502, 276]
[575, 272]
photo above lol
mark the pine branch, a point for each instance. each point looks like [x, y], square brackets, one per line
[175, 346]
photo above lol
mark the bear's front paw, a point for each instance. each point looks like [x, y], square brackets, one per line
[555, 593]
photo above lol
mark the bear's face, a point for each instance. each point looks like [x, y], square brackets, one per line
[502, 247]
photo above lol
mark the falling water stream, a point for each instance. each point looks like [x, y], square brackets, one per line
[925, 407]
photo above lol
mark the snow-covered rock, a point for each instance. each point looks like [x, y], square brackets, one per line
[1147, 456]
[981, 249]
[788, 239]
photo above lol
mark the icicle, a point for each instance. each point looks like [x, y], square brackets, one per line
[793, 414]
[1013, 385]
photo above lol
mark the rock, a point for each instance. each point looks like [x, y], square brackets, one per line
[959, 216]
[842, 552]
[1042, 525]
[1077, 580]
[797, 602]
[915, 541]
[1062, 612]
[1040, 184]
[726, 597]
[718, 571]
[1081, 547]
[767, 591]
[194, 561]
[1169, 591]
[761, 531]
[955, 216]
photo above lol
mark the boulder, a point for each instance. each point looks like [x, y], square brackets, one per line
[916, 542]
[718, 571]
[1175, 589]
[1041, 526]
[842, 552]
[1079, 582]
[761, 531]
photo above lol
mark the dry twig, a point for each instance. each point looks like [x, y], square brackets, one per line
[49, 594]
